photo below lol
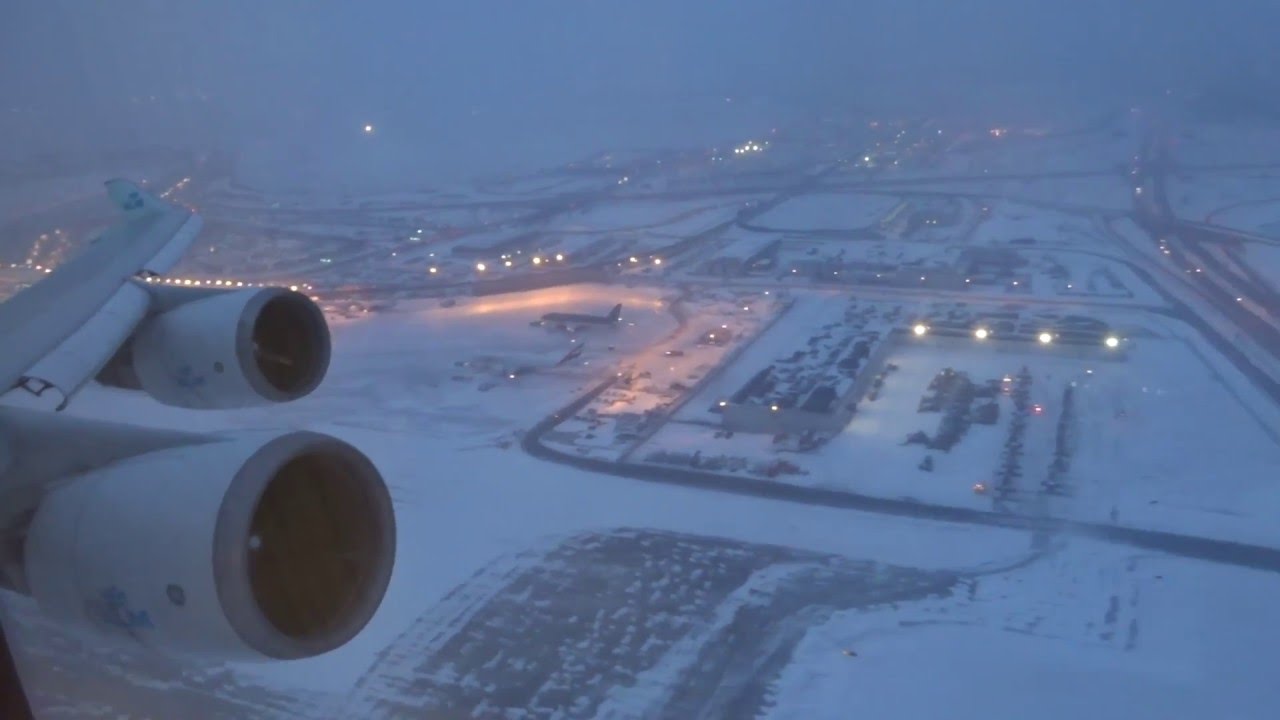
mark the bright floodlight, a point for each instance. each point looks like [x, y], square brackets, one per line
[537, 261]
[982, 333]
[559, 257]
[1112, 341]
[657, 261]
[479, 267]
[368, 128]
[433, 270]
[1045, 338]
[919, 329]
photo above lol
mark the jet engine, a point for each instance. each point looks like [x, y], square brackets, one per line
[247, 547]
[225, 349]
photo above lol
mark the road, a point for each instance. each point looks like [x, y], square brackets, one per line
[1241, 296]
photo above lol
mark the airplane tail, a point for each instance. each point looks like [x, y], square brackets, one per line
[615, 314]
[133, 200]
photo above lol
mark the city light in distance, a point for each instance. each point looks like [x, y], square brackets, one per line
[982, 333]
[920, 329]
[480, 267]
[657, 261]
[1045, 338]
[368, 129]
[537, 260]
[559, 257]
[1112, 341]
[433, 270]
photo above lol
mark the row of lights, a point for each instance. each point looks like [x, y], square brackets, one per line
[506, 262]
[1044, 338]
[218, 283]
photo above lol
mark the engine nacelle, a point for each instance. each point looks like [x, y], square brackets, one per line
[244, 548]
[226, 349]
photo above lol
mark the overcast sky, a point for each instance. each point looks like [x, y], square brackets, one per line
[471, 85]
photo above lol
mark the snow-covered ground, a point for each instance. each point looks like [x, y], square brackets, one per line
[478, 519]
[464, 497]
[1017, 152]
[687, 216]
[1011, 221]
[1264, 258]
[1227, 143]
[1109, 190]
[1153, 425]
[1088, 631]
[828, 211]
[525, 589]
[1245, 201]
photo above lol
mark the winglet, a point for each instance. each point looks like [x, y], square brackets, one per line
[130, 198]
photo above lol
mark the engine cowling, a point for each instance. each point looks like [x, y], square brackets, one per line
[246, 548]
[226, 349]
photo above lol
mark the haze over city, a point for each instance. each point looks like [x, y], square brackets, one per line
[640, 360]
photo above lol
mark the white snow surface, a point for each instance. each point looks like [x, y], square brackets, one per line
[1207, 634]
[828, 211]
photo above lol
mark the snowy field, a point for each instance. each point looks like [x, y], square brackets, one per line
[639, 214]
[521, 575]
[1086, 631]
[1238, 200]
[1262, 216]
[1209, 144]
[1011, 220]
[1153, 426]
[1108, 192]
[828, 211]
[1020, 153]
[466, 498]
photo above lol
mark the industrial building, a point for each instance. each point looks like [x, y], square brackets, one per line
[814, 389]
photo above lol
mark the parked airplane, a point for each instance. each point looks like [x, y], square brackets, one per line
[514, 366]
[231, 546]
[575, 321]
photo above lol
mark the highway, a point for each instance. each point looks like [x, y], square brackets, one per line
[1246, 300]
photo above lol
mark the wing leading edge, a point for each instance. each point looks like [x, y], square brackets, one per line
[60, 331]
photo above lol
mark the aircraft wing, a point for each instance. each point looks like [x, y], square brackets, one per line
[62, 330]
[251, 545]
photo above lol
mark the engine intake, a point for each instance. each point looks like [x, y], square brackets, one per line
[278, 547]
[225, 349]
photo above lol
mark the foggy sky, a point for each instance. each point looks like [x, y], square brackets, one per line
[468, 86]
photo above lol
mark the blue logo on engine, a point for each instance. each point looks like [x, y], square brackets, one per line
[111, 607]
[133, 202]
[187, 378]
